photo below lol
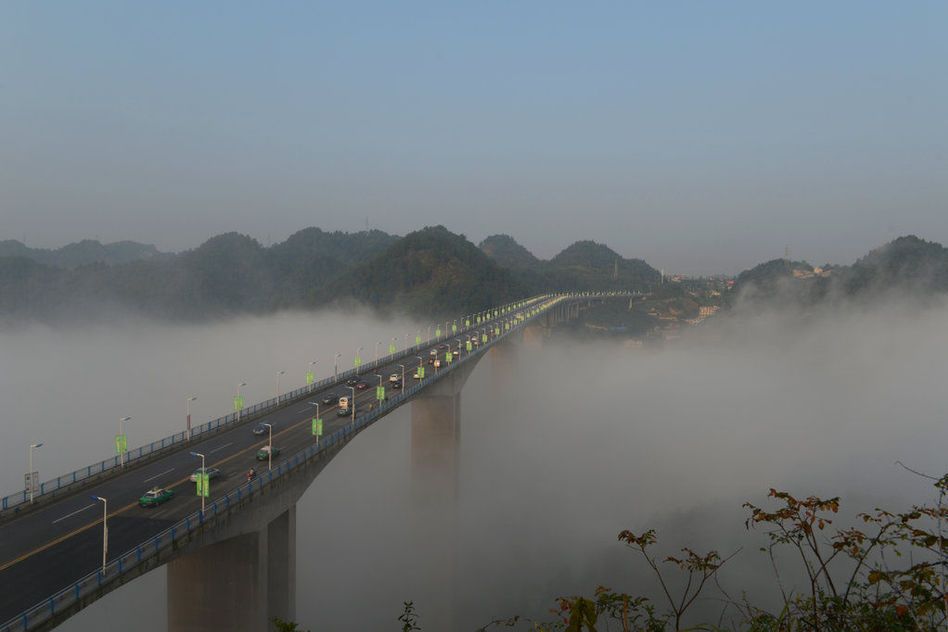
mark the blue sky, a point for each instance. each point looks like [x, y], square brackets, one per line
[700, 136]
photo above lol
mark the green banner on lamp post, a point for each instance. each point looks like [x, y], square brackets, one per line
[310, 378]
[438, 332]
[203, 485]
[357, 362]
[483, 337]
[417, 339]
[380, 393]
[317, 426]
[121, 443]
[391, 347]
[238, 402]
[421, 372]
[448, 357]
[467, 322]
[468, 346]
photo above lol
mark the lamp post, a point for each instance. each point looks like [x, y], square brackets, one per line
[203, 479]
[428, 335]
[316, 436]
[269, 447]
[240, 401]
[335, 367]
[352, 408]
[395, 345]
[377, 343]
[122, 422]
[312, 370]
[279, 373]
[403, 376]
[105, 529]
[33, 481]
[357, 360]
[188, 404]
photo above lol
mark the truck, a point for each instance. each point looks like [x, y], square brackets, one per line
[344, 406]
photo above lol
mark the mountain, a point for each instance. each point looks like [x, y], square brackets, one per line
[907, 264]
[589, 265]
[432, 272]
[507, 253]
[81, 253]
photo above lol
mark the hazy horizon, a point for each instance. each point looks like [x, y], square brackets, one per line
[702, 138]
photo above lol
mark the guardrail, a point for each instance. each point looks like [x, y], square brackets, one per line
[12, 503]
[155, 546]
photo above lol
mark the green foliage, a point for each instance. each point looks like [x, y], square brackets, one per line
[889, 573]
[408, 618]
[286, 626]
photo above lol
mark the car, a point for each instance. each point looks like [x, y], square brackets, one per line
[437, 363]
[343, 412]
[457, 352]
[330, 398]
[362, 385]
[394, 377]
[443, 347]
[352, 381]
[156, 496]
[266, 452]
[397, 384]
[212, 473]
[259, 429]
[416, 375]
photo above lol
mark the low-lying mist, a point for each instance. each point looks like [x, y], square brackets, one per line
[563, 445]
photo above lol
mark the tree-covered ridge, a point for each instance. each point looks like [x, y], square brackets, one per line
[907, 265]
[81, 253]
[507, 252]
[430, 271]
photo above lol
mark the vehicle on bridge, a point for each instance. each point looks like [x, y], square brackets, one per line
[212, 473]
[352, 381]
[259, 429]
[156, 496]
[394, 377]
[330, 398]
[362, 385]
[343, 406]
[266, 452]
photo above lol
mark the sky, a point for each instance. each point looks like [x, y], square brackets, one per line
[702, 137]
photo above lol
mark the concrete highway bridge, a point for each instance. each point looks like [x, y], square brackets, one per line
[240, 549]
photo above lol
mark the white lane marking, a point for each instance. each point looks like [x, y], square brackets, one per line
[220, 447]
[151, 478]
[73, 513]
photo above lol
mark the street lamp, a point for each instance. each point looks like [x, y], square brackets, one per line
[279, 373]
[335, 367]
[316, 404]
[33, 480]
[188, 404]
[428, 336]
[312, 369]
[239, 401]
[395, 344]
[353, 403]
[377, 343]
[122, 422]
[269, 447]
[403, 377]
[203, 479]
[357, 361]
[105, 529]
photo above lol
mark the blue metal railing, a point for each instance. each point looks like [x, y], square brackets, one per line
[162, 542]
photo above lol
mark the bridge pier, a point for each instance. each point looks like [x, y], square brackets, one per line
[239, 584]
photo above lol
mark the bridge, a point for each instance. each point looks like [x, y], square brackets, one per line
[80, 536]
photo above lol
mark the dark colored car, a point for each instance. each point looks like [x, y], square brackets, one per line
[362, 385]
[330, 398]
[264, 453]
[212, 473]
[156, 496]
[352, 381]
[259, 429]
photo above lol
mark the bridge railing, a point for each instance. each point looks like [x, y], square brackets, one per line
[12, 502]
[166, 540]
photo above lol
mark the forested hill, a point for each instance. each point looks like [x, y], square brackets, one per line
[429, 272]
[583, 265]
[81, 253]
[907, 265]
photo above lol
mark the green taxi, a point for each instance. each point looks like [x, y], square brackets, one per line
[263, 453]
[156, 496]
